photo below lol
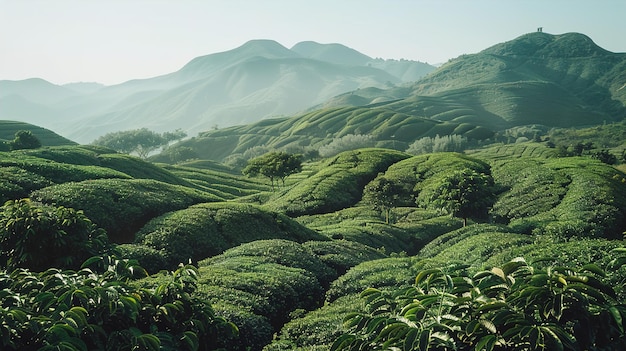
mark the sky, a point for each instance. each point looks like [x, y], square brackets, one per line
[112, 41]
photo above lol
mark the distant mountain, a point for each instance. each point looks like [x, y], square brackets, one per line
[333, 53]
[537, 79]
[84, 87]
[257, 80]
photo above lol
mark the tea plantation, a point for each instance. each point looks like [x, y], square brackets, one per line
[369, 249]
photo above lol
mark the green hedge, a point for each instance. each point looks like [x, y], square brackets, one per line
[121, 206]
[339, 184]
[208, 229]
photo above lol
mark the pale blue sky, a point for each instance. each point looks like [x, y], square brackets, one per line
[111, 41]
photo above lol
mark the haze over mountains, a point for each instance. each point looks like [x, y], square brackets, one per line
[257, 80]
[331, 90]
[536, 79]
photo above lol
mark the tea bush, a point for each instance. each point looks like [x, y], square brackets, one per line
[121, 206]
[337, 185]
[208, 229]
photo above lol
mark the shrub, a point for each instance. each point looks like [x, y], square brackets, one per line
[342, 255]
[283, 252]
[97, 308]
[38, 237]
[346, 143]
[339, 184]
[515, 306]
[205, 230]
[150, 259]
[121, 207]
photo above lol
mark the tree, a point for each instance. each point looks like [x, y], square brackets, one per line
[24, 139]
[37, 236]
[383, 194]
[605, 156]
[274, 165]
[140, 141]
[465, 193]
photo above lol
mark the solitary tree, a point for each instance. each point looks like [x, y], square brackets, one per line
[383, 194]
[25, 139]
[465, 193]
[140, 141]
[274, 165]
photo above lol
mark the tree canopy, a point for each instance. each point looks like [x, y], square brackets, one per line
[140, 141]
[24, 139]
[464, 193]
[274, 165]
[383, 194]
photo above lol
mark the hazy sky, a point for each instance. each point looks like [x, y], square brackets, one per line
[111, 41]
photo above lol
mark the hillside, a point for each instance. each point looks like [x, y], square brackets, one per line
[537, 79]
[257, 80]
[45, 136]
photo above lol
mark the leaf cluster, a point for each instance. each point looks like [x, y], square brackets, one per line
[97, 308]
[515, 306]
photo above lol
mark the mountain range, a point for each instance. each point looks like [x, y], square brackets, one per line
[257, 80]
[536, 79]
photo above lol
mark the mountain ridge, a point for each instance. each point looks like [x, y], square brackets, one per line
[508, 85]
[256, 80]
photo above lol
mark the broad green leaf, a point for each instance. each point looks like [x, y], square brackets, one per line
[486, 343]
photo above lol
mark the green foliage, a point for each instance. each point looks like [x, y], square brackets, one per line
[268, 289]
[37, 237]
[274, 165]
[342, 255]
[465, 193]
[46, 136]
[384, 273]
[315, 330]
[604, 156]
[346, 142]
[516, 306]
[121, 207]
[284, 252]
[338, 184]
[96, 308]
[446, 143]
[140, 141]
[569, 197]
[205, 230]
[383, 195]
[24, 139]
[152, 260]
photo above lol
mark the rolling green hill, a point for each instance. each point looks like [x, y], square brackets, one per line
[258, 80]
[537, 79]
[45, 136]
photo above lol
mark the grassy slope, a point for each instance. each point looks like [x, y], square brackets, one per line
[553, 80]
[45, 136]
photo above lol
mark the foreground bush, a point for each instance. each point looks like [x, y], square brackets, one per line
[97, 308]
[37, 236]
[513, 307]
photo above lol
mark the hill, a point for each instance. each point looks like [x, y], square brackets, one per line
[45, 136]
[257, 80]
[537, 79]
